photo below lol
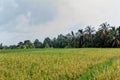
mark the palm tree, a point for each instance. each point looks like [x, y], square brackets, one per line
[89, 36]
[72, 39]
[89, 30]
[118, 31]
[103, 34]
[115, 37]
[104, 28]
[81, 41]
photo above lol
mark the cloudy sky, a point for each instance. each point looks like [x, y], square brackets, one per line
[30, 19]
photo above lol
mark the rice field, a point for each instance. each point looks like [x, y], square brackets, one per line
[60, 64]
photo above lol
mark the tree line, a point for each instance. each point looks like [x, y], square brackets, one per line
[106, 36]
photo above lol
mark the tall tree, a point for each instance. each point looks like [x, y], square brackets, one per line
[115, 41]
[1, 46]
[21, 45]
[28, 44]
[81, 37]
[89, 36]
[47, 42]
[37, 44]
[62, 41]
[104, 31]
[72, 39]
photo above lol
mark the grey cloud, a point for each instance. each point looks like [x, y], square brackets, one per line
[8, 13]
[40, 11]
[30, 19]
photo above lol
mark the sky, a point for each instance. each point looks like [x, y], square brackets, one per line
[36, 19]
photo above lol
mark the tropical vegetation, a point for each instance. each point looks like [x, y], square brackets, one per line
[106, 36]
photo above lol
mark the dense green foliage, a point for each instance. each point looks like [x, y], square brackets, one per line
[105, 36]
[60, 64]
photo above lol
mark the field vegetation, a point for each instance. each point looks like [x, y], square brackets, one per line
[60, 64]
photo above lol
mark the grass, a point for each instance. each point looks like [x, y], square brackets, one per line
[92, 73]
[59, 64]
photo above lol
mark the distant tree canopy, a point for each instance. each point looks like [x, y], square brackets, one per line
[38, 44]
[105, 36]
